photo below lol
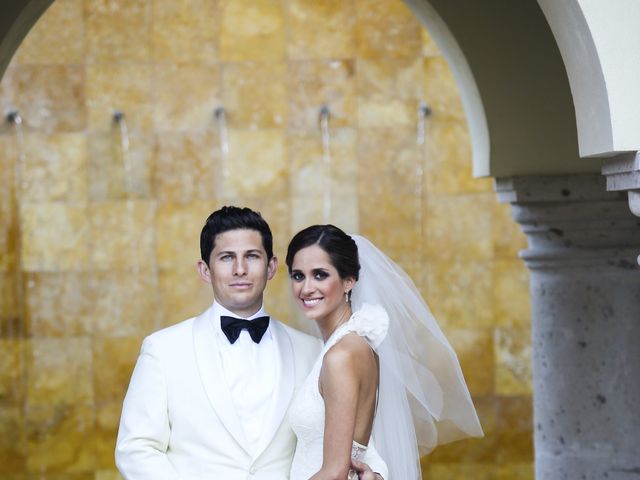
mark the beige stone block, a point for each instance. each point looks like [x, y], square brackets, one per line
[470, 450]
[122, 234]
[8, 199]
[117, 172]
[377, 111]
[475, 350]
[54, 236]
[390, 222]
[314, 172]
[125, 302]
[460, 293]
[50, 98]
[276, 210]
[321, 29]
[9, 226]
[118, 30]
[460, 471]
[187, 166]
[507, 236]
[341, 211]
[313, 84]
[13, 445]
[440, 90]
[60, 440]
[387, 29]
[182, 294]
[185, 31]
[458, 227]
[278, 299]
[511, 297]
[516, 471]
[125, 88]
[514, 429]
[387, 91]
[447, 159]
[255, 94]
[57, 37]
[12, 371]
[107, 475]
[252, 30]
[59, 371]
[10, 318]
[186, 96]
[58, 304]
[178, 228]
[389, 162]
[256, 164]
[54, 168]
[113, 362]
[106, 432]
[513, 361]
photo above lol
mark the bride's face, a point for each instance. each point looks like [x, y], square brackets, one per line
[316, 285]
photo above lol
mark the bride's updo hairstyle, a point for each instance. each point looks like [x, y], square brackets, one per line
[341, 248]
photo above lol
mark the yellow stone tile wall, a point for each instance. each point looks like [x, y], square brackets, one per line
[92, 260]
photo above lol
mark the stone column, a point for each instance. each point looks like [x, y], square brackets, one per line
[585, 294]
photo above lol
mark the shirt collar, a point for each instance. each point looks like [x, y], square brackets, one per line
[219, 310]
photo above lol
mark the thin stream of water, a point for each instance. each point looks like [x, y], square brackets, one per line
[326, 161]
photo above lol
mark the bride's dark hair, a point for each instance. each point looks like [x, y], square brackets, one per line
[341, 248]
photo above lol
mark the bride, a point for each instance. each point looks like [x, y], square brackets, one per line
[387, 379]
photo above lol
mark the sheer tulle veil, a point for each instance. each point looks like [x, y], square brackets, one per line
[423, 397]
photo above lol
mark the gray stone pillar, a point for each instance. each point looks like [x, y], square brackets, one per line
[585, 294]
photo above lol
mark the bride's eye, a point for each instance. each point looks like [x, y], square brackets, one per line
[297, 276]
[320, 275]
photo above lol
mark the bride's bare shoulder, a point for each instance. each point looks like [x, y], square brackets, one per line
[350, 352]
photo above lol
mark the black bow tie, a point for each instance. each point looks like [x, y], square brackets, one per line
[232, 327]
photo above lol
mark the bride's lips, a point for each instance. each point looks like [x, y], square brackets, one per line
[310, 302]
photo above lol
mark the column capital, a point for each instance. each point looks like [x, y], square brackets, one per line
[623, 174]
[572, 221]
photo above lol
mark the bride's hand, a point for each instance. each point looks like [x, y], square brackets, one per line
[364, 471]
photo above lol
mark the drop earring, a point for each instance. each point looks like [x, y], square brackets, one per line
[346, 297]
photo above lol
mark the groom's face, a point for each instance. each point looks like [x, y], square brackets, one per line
[238, 270]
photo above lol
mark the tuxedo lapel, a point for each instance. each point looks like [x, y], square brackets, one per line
[210, 368]
[283, 391]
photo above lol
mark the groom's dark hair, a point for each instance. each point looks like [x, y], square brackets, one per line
[233, 218]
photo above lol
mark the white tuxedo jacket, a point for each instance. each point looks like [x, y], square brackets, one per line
[178, 422]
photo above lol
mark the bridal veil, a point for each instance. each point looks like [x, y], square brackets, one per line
[423, 398]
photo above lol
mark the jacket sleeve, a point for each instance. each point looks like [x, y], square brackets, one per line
[144, 430]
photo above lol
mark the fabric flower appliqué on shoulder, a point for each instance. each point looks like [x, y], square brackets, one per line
[372, 322]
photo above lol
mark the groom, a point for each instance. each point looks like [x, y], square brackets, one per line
[208, 397]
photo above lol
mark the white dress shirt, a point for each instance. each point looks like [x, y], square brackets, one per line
[251, 371]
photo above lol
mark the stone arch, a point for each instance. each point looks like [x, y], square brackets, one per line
[520, 66]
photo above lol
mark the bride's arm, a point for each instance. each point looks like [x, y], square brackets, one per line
[343, 368]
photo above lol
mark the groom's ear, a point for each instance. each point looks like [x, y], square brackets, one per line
[203, 270]
[272, 266]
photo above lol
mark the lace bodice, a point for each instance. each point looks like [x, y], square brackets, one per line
[307, 413]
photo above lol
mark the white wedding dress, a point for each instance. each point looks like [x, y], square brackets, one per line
[306, 414]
